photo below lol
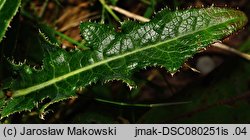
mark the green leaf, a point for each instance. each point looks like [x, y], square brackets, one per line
[168, 40]
[8, 9]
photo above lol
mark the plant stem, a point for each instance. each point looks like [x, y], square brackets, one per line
[71, 40]
[103, 16]
[150, 10]
[146, 2]
[139, 105]
[109, 10]
[2, 94]
[45, 4]
[63, 36]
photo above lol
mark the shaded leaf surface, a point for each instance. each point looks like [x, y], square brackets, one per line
[168, 40]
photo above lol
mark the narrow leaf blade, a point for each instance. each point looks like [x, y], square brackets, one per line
[8, 9]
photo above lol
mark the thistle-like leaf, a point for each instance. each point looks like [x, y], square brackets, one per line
[8, 9]
[168, 40]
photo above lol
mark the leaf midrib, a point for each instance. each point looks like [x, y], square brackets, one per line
[28, 90]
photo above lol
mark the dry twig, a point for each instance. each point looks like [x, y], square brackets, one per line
[129, 14]
[232, 50]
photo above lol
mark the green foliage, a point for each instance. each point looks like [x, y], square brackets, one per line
[8, 9]
[168, 40]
